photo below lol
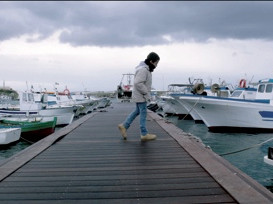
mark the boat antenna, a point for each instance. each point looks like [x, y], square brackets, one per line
[84, 88]
[189, 80]
[251, 79]
[55, 88]
[27, 85]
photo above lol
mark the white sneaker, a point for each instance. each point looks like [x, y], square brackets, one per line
[148, 137]
[122, 129]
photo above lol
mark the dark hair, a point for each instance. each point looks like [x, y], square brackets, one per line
[153, 56]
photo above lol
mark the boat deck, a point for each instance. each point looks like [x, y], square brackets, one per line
[89, 162]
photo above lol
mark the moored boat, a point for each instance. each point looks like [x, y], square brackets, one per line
[9, 135]
[235, 114]
[28, 107]
[175, 102]
[32, 129]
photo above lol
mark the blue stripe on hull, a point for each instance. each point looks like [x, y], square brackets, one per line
[266, 114]
[267, 120]
[17, 112]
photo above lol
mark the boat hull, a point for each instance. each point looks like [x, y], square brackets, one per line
[9, 135]
[190, 110]
[17, 112]
[64, 115]
[36, 135]
[172, 106]
[33, 130]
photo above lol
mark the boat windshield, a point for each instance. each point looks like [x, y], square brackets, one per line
[236, 94]
[261, 88]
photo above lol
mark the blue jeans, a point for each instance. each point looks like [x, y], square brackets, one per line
[141, 108]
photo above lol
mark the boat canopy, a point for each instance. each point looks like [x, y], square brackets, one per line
[266, 81]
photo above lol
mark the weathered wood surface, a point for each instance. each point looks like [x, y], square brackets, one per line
[93, 164]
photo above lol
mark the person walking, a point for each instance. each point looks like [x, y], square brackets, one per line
[141, 95]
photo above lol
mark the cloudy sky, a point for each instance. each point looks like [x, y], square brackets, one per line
[89, 45]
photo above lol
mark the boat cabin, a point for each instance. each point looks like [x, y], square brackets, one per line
[27, 102]
[244, 93]
[265, 88]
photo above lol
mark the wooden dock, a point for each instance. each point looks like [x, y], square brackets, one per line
[89, 162]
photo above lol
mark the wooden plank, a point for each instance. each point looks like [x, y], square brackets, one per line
[172, 200]
[108, 188]
[187, 180]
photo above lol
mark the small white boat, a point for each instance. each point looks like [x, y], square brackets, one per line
[28, 107]
[171, 105]
[88, 103]
[9, 135]
[269, 157]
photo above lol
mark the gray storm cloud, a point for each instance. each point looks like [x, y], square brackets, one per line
[124, 24]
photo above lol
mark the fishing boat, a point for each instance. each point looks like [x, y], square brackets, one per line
[200, 90]
[29, 107]
[32, 128]
[171, 105]
[125, 88]
[269, 157]
[237, 114]
[9, 135]
[89, 103]
[64, 114]
[174, 103]
[103, 102]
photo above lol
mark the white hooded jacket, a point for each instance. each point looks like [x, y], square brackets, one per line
[142, 83]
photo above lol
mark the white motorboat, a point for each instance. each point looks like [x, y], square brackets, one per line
[64, 99]
[103, 102]
[88, 103]
[171, 106]
[9, 135]
[200, 90]
[237, 113]
[64, 114]
[28, 107]
[175, 105]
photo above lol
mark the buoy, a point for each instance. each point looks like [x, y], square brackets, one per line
[242, 83]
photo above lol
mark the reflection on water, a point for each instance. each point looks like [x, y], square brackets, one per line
[249, 161]
[10, 150]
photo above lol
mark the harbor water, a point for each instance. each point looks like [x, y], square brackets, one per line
[249, 161]
[12, 149]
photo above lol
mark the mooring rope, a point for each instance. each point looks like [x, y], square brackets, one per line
[256, 145]
[191, 108]
[27, 140]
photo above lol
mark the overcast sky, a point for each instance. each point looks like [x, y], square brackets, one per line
[89, 45]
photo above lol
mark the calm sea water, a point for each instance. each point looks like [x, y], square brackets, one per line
[249, 161]
[10, 150]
